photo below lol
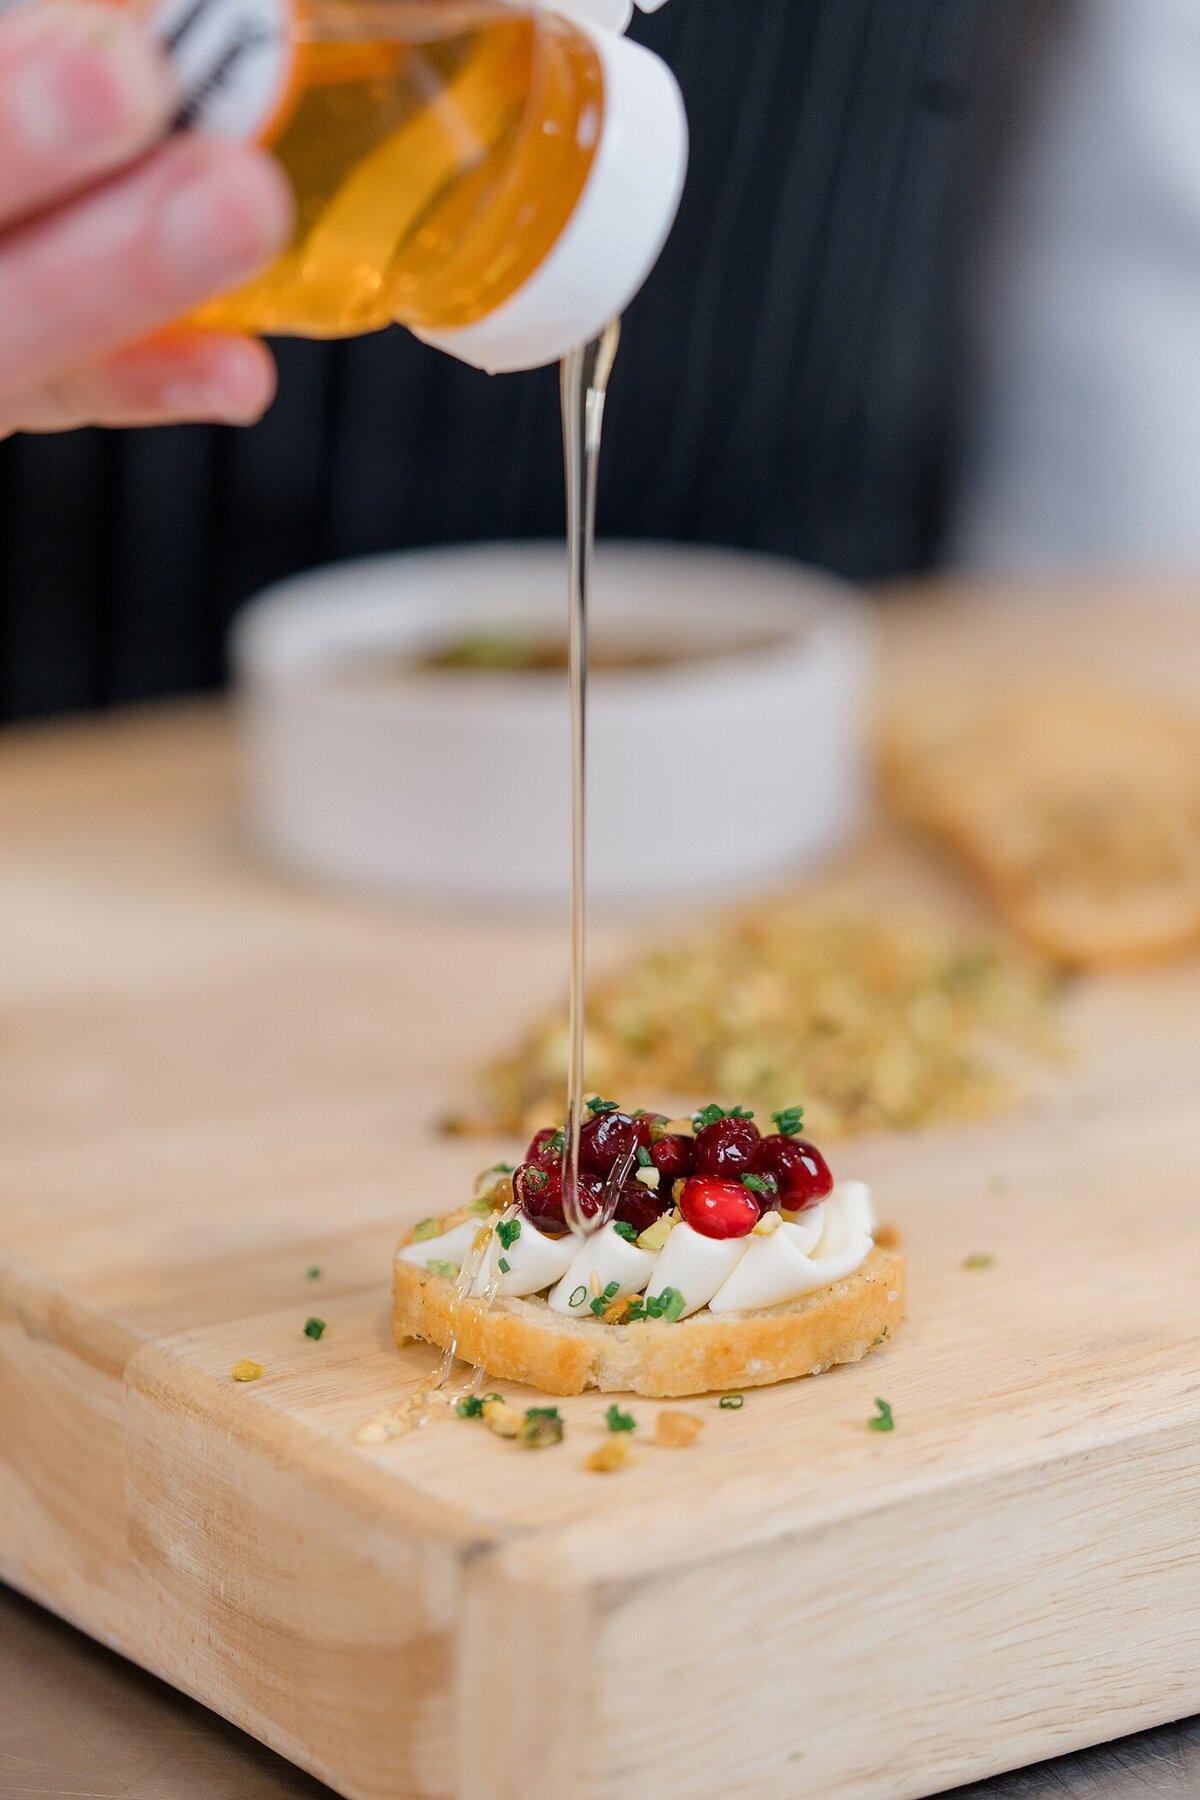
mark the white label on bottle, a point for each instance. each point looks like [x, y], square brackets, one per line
[232, 60]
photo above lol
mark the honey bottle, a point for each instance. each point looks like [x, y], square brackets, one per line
[498, 179]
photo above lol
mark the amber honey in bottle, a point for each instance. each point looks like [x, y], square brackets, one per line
[499, 180]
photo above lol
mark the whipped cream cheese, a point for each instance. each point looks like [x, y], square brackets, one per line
[823, 1244]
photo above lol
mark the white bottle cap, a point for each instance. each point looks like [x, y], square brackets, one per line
[612, 239]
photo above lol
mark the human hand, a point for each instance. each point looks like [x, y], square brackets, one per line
[107, 235]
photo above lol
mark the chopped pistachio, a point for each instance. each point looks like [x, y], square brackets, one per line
[677, 1430]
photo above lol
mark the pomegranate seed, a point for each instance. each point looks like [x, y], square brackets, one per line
[549, 1135]
[672, 1157]
[718, 1208]
[606, 1139]
[799, 1168]
[638, 1206]
[726, 1147]
[539, 1192]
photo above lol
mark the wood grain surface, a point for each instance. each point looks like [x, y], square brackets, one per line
[211, 1081]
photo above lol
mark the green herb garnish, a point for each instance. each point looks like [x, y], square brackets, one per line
[436, 1266]
[732, 1402]
[645, 1160]
[880, 1338]
[426, 1229]
[982, 1259]
[624, 1229]
[606, 1298]
[535, 1180]
[508, 1231]
[618, 1420]
[504, 1265]
[789, 1122]
[597, 1105]
[761, 1184]
[315, 1274]
[578, 1296]
[504, 1168]
[315, 1328]
[883, 1420]
[709, 1115]
[470, 1408]
[667, 1305]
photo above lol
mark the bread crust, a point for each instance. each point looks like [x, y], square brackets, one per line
[1077, 811]
[522, 1340]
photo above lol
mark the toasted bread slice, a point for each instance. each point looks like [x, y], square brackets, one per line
[522, 1340]
[1078, 810]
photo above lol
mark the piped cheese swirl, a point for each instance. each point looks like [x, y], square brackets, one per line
[777, 1262]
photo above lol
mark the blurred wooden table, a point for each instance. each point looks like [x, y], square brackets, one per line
[78, 1723]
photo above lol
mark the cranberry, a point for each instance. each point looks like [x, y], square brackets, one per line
[539, 1192]
[726, 1147]
[607, 1138]
[672, 1157]
[639, 1207]
[799, 1168]
[717, 1208]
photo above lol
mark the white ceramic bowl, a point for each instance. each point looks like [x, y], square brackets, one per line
[704, 775]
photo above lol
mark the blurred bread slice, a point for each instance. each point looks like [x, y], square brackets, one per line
[1078, 809]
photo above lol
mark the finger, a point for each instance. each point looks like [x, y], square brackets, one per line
[82, 91]
[197, 216]
[202, 378]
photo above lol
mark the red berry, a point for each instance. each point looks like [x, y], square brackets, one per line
[718, 1208]
[672, 1157]
[542, 1140]
[539, 1192]
[799, 1168]
[639, 1207]
[609, 1137]
[726, 1147]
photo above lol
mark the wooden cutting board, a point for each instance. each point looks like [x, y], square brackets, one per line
[211, 1081]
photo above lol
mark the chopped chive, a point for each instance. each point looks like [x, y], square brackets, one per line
[596, 1105]
[618, 1420]
[883, 1420]
[982, 1259]
[761, 1184]
[470, 1408]
[504, 1265]
[644, 1157]
[578, 1296]
[508, 1231]
[315, 1274]
[673, 1304]
[624, 1229]
[790, 1121]
[732, 1402]
[315, 1328]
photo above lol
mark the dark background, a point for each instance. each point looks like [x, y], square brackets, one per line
[785, 380]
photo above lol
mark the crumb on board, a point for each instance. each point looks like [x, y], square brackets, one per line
[245, 1370]
[677, 1430]
[616, 1452]
[883, 1025]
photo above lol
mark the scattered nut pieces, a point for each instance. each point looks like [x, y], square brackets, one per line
[502, 1418]
[616, 1452]
[541, 1426]
[616, 1312]
[767, 1226]
[247, 1370]
[880, 1025]
[677, 1430]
